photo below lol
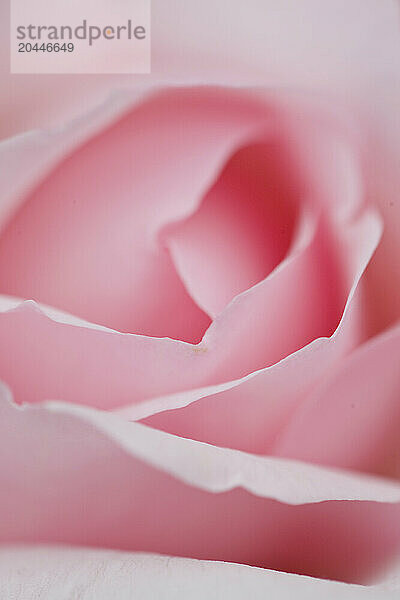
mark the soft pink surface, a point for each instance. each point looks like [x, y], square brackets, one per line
[264, 43]
[85, 239]
[298, 224]
[250, 415]
[122, 226]
[90, 238]
[77, 478]
[353, 420]
[242, 230]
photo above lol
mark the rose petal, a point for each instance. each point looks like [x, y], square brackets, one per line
[354, 416]
[82, 362]
[382, 172]
[93, 365]
[249, 413]
[96, 264]
[64, 573]
[242, 230]
[257, 43]
[247, 222]
[79, 476]
[390, 582]
[87, 364]
[363, 68]
[84, 239]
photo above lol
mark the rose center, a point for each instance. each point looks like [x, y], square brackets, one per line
[78, 242]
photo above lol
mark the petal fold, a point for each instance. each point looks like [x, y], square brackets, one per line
[79, 476]
[65, 573]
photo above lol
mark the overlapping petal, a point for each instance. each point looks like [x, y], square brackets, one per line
[250, 412]
[56, 259]
[51, 572]
[84, 237]
[80, 476]
[354, 416]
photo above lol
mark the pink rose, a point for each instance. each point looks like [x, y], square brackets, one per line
[186, 352]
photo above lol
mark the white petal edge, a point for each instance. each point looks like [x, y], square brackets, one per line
[55, 573]
[324, 347]
[215, 469]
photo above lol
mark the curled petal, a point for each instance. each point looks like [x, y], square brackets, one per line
[354, 416]
[76, 475]
[82, 207]
[249, 413]
[84, 363]
[63, 573]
